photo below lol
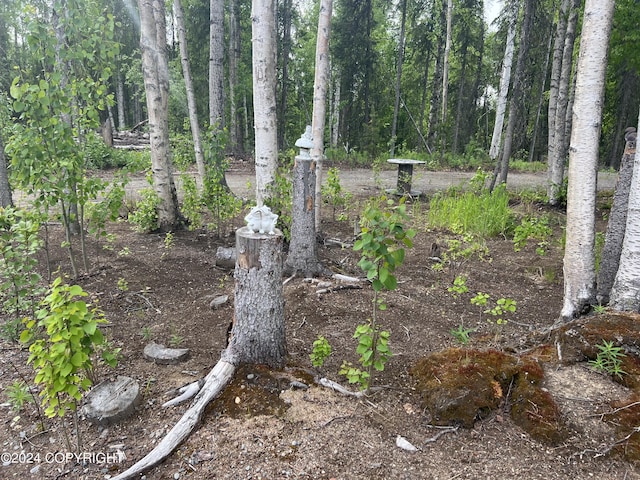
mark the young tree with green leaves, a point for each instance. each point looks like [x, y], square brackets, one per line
[58, 101]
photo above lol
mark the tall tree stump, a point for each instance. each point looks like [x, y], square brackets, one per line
[258, 332]
[303, 251]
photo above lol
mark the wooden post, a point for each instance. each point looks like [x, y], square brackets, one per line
[258, 332]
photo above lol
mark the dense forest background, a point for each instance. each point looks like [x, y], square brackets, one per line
[371, 41]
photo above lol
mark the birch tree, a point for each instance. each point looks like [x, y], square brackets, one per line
[216, 58]
[263, 29]
[400, 59]
[156, 82]
[191, 98]
[625, 293]
[616, 226]
[517, 92]
[559, 144]
[234, 58]
[579, 258]
[445, 74]
[320, 84]
[505, 81]
[554, 82]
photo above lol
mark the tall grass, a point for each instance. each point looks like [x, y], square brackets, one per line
[476, 211]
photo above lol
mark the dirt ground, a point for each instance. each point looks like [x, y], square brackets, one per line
[261, 428]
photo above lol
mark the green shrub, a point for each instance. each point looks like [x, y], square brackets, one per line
[62, 339]
[532, 228]
[145, 215]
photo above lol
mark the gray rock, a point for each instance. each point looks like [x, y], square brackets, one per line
[112, 400]
[218, 302]
[166, 356]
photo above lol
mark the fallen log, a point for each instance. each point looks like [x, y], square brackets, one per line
[215, 381]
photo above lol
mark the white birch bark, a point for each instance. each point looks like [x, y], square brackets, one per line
[399, 62]
[334, 120]
[156, 81]
[321, 81]
[554, 81]
[579, 258]
[263, 29]
[625, 293]
[191, 98]
[505, 80]
[558, 156]
[120, 100]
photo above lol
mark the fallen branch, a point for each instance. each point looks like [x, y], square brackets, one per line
[215, 381]
[345, 278]
[439, 434]
[334, 242]
[337, 288]
[187, 392]
[325, 382]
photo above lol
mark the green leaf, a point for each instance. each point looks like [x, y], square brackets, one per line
[391, 283]
[78, 359]
[383, 274]
[66, 370]
[90, 327]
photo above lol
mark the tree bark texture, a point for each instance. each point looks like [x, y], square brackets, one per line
[625, 293]
[616, 226]
[191, 98]
[445, 75]
[285, 42]
[258, 333]
[216, 67]
[579, 258]
[303, 252]
[264, 95]
[6, 199]
[320, 84]
[558, 156]
[156, 81]
[235, 135]
[399, 61]
[515, 105]
[120, 100]
[505, 80]
[554, 83]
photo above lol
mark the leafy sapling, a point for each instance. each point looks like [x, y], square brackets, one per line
[321, 351]
[63, 338]
[459, 286]
[382, 243]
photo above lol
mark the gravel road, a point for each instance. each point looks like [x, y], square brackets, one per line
[362, 180]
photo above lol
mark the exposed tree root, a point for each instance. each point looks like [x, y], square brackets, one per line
[215, 381]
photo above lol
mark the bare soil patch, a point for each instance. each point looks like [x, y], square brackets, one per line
[261, 427]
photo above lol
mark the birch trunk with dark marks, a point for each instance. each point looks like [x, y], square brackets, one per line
[610, 257]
